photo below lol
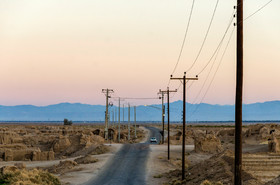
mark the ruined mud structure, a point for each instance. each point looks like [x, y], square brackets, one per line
[261, 153]
[40, 143]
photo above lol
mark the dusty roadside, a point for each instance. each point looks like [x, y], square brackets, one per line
[78, 175]
[146, 134]
[88, 171]
[158, 164]
[75, 153]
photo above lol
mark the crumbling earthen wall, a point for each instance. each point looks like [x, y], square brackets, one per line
[207, 143]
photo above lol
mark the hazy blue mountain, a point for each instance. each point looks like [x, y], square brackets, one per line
[84, 112]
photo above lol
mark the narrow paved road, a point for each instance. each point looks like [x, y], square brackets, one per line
[128, 166]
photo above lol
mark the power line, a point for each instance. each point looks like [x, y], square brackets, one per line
[230, 22]
[198, 105]
[207, 32]
[258, 10]
[190, 85]
[137, 98]
[178, 88]
[207, 75]
[215, 54]
[184, 40]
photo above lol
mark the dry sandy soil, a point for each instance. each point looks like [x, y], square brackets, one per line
[77, 175]
[31, 146]
[87, 171]
[209, 153]
[212, 156]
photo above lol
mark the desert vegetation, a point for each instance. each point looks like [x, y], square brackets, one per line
[13, 175]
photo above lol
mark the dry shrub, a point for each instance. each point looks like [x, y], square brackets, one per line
[14, 176]
[206, 182]
[63, 167]
[86, 160]
[100, 149]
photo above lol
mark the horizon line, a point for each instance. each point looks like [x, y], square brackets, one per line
[137, 105]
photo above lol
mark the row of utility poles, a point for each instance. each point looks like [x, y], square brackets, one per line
[183, 80]
[168, 117]
[238, 101]
[168, 91]
[107, 93]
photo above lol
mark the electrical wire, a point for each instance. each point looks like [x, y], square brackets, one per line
[197, 95]
[258, 10]
[184, 40]
[136, 98]
[220, 43]
[190, 84]
[205, 37]
[215, 55]
[228, 43]
[214, 73]
[178, 88]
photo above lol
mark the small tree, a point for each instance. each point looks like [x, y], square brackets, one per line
[67, 122]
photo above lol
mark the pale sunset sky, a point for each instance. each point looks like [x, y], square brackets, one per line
[54, 51]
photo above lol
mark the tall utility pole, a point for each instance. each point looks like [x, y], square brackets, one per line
[184, 119]
[107, 94]
[163, 112]
[135, 135]
[105, 115]
[168, 123]
[119, 131]
[128, 122]
[123, 113]
[238, 98]
[113, 121]
[109, 120]
[116, 116]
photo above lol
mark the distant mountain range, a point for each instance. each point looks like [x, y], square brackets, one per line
[85, 112]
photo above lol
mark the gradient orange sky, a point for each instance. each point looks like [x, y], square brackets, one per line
[68, 50]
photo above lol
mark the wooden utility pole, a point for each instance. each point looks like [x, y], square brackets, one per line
[107, 94]
[113, 119]
[119, 129]
[135, 135]
[128, 137]
[123, 113]
[116, 116]
[168, 120]
[109, 120]
[163, 114]
[184, 118]
[238, 98]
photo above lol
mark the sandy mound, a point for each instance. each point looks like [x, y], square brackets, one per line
[14, 176]
[63, 167]
[218, 168]
[100, 149]
[92, 150]
[207, 143]
[86, 160]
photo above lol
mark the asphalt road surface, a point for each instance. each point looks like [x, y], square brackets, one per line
[154, 132]
[128, 166]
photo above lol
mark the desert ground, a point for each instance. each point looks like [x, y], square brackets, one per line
[79, 154]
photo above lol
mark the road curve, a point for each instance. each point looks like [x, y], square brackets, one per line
[128, 166]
